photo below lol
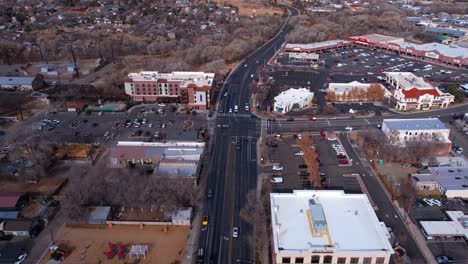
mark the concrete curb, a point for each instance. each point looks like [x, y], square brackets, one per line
[422, 247]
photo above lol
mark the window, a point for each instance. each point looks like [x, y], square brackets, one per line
[299, 260]
[406, 132]
[286, 260]
[341, 260]
[367, 260]
[315, 259]
[354, 260]
[327, 259]
[380, 261]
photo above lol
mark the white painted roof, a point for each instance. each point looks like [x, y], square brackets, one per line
[197, 78]
[316, 45]
[378, 38]
[415, 124]
[292, 96]
[451, 50]
[408, 80]
[457, 226]
[350, 223]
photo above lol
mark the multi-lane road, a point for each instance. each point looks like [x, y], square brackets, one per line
[233, 162]
[233, 171]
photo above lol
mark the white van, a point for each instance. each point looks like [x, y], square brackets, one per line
[236, 108]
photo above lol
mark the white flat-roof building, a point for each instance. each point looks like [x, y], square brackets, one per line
[343, 91]
[317, 46]
[456, 227]
[325, 226]
[285, 101]
[302, 57]
[407, 81]
[449, 181]
[400, 131]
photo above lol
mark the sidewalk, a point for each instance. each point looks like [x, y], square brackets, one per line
[413, 230]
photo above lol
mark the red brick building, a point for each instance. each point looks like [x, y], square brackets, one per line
[191, 89]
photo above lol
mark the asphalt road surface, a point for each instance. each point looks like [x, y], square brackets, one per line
[233, 171]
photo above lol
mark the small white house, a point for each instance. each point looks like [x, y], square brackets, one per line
[285, 101]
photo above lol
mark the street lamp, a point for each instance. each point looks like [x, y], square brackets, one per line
[245, 261]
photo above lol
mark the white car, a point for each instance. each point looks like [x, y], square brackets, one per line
[235, 232]
[246, 108]
[106, 134]
[276, 180]
[21, 258]
[277, 168]
[299, 153]
[349, 128]
[161, 105]
[230, 110]
[332, 138]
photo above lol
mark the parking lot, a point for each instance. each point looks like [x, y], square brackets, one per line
[421, 211]
[148, 125]
[371, 63]
[282, 151]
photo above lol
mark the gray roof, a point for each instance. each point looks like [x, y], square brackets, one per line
[414, 124]
[451, 178]
[16, 80]
[99, 213]
[9, 215]
[447, 31]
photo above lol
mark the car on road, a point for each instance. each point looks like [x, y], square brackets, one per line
[343, 162]
[235, 232]
[277, 168]
[147, 134]
[276, 179]
[205, 220]
[230, 110]
[349, 128]
[161, 105]
[21, 258]
[290, 119]
[150, 125]
[210, 193]
[299, 153]
[106, 134]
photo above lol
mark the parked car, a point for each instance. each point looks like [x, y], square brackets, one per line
[299, 153]
[343, 162]
[21, 258]
[442, 259]
[302, 166]
[276, 179]
[277, 168]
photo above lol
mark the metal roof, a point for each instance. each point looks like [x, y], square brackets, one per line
[414, 124]
[16, 80]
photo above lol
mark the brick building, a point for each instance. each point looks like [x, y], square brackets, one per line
[191, 89]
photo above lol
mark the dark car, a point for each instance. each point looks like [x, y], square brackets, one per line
[290, 119]
[303, 173]
[95, 124]
[302, 166]
[147, 134]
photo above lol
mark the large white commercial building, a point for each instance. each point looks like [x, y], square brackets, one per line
[449, 181]
[412, 92]
[285, 101]
[325, 226]
[455, 228]
[400, 131]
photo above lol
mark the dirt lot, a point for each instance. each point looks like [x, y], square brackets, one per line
[46, 186]
[254, 8]
[163, 247]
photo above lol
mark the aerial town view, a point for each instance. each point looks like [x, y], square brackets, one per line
[233, 131]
